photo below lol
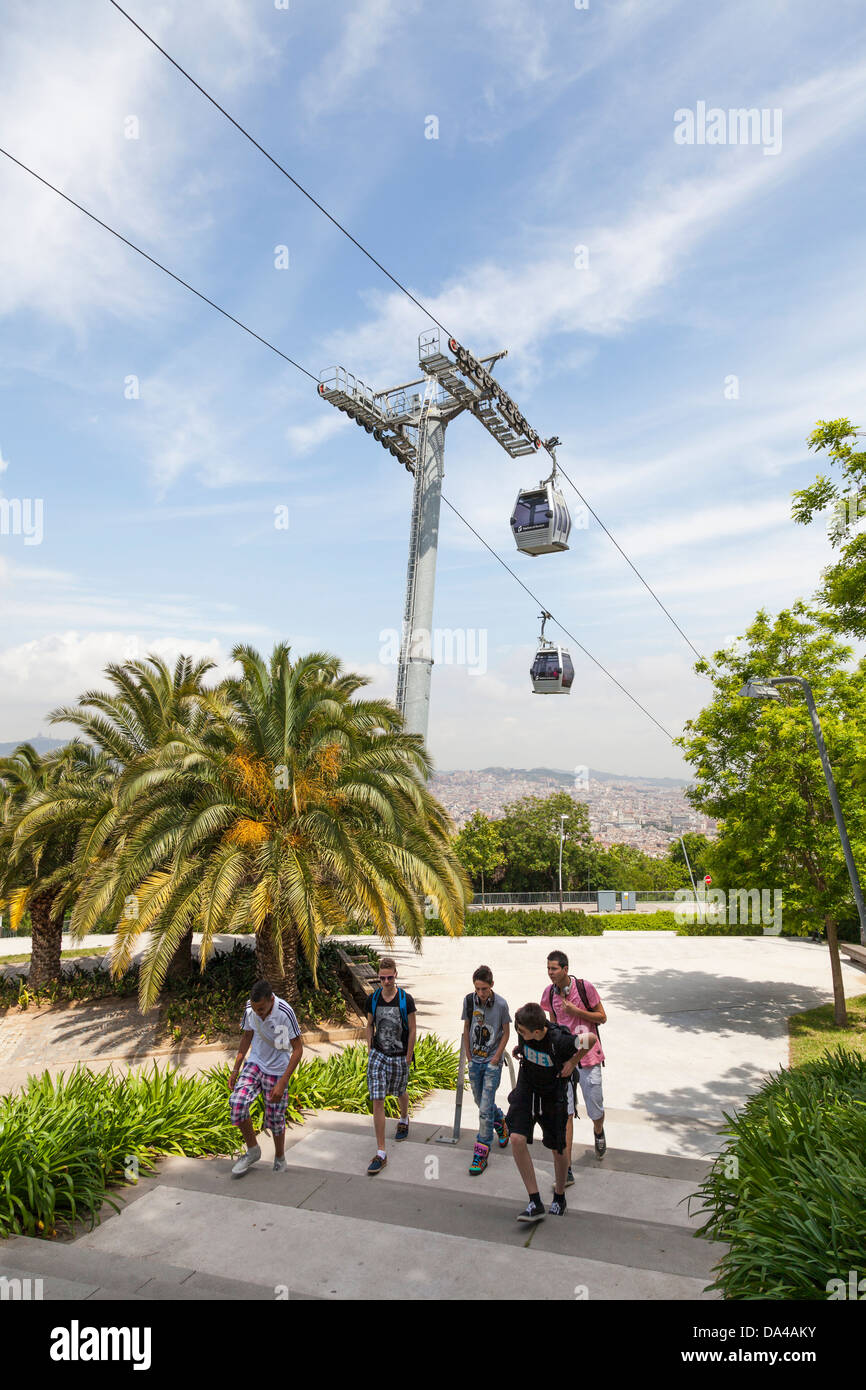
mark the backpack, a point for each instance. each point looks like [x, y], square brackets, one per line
[404, 1013]
[556, 1033]
[584, 999]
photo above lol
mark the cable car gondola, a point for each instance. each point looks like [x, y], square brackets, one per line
[552, 671]
[540, 520]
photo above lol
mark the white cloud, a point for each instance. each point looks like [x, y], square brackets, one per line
[66, 101]
[630, 260]
[53, 670]
[303, 438]
[365, 33]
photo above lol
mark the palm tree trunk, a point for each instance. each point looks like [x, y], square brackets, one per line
[840, 1012]
[180, 967]
[47, 939]
[283, 979]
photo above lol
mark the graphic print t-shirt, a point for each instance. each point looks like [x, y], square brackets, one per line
[486, 1025]
[542, 1060]
[388, 1026]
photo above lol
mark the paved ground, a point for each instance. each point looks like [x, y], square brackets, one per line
[422, 1229]
[694, 1023]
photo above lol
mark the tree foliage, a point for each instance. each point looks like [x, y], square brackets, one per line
[844, 582]
[758, 769]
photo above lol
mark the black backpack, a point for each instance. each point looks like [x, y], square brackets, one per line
[584, 999]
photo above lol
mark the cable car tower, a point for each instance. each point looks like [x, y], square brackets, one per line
[410, 424]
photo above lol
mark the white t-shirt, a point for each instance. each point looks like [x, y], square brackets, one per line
[271, 1046]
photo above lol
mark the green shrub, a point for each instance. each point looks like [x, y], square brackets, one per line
[205, 1006]
[496, 921]
[64, 1142]
[788, 1192]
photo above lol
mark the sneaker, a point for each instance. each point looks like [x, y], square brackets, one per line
[402, 1130]
[245, 1163]
[534, 1211]
[600, 1145]
[479, 1159]
[502, 1134]
[377, 1165]
[280, 1164]
[557, 1207]
[569, 1179]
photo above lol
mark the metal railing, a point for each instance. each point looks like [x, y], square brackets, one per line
[654, 895]
[454, 1136]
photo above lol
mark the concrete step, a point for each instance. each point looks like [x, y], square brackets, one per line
[636, 1243]
[605, 1191]
[294, 1251]
[624, 1132]
[72, 1271]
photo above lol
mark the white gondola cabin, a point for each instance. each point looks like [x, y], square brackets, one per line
[540, 521]
[552, 671]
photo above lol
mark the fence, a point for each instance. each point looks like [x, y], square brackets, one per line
[584, 899]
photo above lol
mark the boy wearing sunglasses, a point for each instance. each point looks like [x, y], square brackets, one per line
[391, 1029]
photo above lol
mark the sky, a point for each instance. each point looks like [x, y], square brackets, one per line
[680, 295]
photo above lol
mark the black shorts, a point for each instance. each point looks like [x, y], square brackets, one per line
[526, 1108]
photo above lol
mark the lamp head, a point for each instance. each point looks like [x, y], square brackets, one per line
[757, 689]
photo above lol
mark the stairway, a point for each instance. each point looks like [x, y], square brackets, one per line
[422, 1229]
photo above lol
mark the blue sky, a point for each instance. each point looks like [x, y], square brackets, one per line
[555, 129]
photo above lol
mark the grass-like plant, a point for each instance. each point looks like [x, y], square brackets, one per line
[788, 1192]
[65, 1141]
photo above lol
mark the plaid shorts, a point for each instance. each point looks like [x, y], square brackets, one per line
[251, 1082]
[386, 1076]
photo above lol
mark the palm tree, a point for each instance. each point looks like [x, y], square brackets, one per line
[148, 703]
[293, 808]
[46, 805]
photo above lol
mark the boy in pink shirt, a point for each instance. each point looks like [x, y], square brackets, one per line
[576, 1005]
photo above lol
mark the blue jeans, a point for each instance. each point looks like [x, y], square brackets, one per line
[484, 1080]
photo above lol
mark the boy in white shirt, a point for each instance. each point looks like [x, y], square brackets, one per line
[270, 1025]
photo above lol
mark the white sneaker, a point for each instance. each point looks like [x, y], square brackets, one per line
[280, 1164]
[245, 1163]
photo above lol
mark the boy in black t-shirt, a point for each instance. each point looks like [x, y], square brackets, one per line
[548, 1055]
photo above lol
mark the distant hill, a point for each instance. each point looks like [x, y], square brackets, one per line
[42, 745]
[546, 774]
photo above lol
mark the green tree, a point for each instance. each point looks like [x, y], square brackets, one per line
[844, 583]
[622, 866]
[758, 771]
[530, 839]
[39, 852]
[479, 847]
[700, 851]
[297, 808]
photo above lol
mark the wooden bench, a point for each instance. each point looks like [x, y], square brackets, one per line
[857, 954]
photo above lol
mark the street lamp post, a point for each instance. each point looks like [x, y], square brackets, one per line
[691, 876]
[765, 689]
[561, 837]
